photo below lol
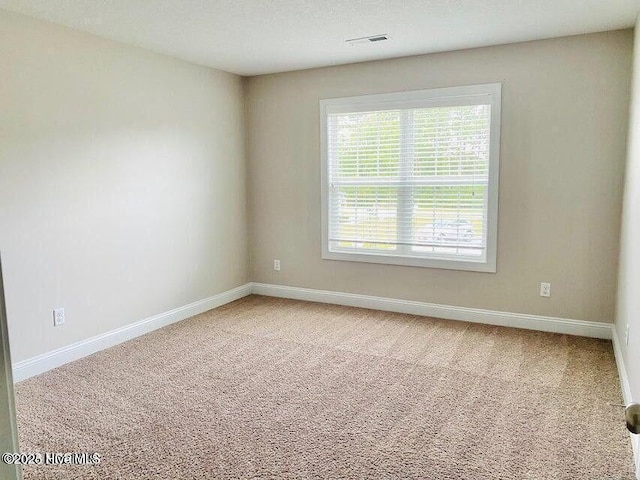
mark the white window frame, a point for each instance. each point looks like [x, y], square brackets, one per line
[450, 96]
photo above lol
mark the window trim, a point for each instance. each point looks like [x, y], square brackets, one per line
[448, 96]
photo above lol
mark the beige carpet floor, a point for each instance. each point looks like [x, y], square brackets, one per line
[271, 388]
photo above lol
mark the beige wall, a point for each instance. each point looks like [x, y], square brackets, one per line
[564, 117]
[628, 306]
[122, 183]
[123, 193]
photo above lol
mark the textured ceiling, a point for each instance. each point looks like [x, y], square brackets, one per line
[251, 37]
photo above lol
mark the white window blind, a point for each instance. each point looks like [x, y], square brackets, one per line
[412, 176]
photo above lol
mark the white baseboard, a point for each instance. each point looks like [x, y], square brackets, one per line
[47, 361]
[626, 394]
[41, 363]
[622, 370]
[449, 312]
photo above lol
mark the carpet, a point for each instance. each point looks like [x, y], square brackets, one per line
[273, 388]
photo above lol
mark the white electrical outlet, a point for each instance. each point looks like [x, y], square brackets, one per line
[626, 335]
[58, 317]
[276, 265]
[545, 289]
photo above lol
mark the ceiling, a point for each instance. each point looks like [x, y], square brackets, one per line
[252, 37]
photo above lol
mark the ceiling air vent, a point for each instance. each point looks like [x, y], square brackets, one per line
[371, 39]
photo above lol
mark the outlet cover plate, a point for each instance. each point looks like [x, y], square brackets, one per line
[58, 317]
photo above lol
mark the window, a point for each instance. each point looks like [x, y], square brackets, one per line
[411, 178]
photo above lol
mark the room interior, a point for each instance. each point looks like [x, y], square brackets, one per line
[187, 296]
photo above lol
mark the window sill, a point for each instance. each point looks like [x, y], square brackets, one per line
[446, 264]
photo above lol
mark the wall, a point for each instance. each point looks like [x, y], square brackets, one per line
[123, 193]
[122, 183]
[628, 305]
[564, 116]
